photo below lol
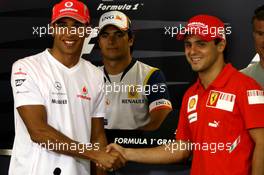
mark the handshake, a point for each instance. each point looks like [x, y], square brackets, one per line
[111, 158]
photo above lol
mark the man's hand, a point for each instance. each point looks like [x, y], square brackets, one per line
[155, 155]
[109, 161]
[116, 148]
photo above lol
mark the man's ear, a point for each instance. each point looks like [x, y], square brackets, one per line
[221, 46]
[131, 40]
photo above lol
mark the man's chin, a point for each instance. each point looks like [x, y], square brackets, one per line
[196, 68]
[112, 58]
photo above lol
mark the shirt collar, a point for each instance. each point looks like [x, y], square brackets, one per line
[221, 79]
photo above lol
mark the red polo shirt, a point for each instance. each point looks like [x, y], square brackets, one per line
[216, 121]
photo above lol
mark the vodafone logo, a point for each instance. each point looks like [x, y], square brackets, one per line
[68, 4]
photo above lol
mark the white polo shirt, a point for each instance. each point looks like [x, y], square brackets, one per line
[71, 96]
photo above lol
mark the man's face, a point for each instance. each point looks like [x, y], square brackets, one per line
[114, 43]
[200, 54]
[258, 35]
[69, 36]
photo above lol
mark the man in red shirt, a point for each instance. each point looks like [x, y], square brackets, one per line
[222, 114]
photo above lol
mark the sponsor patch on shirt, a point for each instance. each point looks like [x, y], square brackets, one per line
[160, 104]
[59, 101]
[255, 97]
[19, 82]
[192, 117]
[84, 95]
[234, 144]
[221, 100]
[132, 92]
[20, 72]
[192, 103]
[214, 124]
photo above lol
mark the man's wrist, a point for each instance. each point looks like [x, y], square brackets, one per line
[128, 154]
[91, 155]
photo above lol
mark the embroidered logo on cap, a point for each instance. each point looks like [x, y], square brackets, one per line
[68, 4]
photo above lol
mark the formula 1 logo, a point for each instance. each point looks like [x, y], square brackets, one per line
[87, 47]
[120, 6]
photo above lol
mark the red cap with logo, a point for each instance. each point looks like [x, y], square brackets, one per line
[72, 9]
[205, 26]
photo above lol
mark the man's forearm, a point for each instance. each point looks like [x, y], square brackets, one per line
[258, 160]
[48, 136]
[157, 155]
[101, 139]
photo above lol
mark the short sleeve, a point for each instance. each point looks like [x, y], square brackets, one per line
[157, 92]
[25, 89]
[251, 104]
[183, 130]
[99, 104]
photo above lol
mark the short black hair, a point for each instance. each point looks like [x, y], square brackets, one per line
[258, 13]
[217, 41]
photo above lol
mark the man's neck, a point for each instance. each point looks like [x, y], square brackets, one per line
[261, 62]
[208, 76]
[68, 60]
[114, 67]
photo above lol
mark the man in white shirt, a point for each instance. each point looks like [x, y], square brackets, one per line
[256, 70]
[59, 104]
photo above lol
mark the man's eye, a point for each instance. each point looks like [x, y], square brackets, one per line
[260, 33]
[201, 44]
[120, 35]
[61, 25]
[187, 45]
[104, 35]
[78, 25]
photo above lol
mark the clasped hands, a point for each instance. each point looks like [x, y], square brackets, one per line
[111, 158]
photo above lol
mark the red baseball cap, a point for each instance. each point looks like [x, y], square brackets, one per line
[72, 9]
[205, 26]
